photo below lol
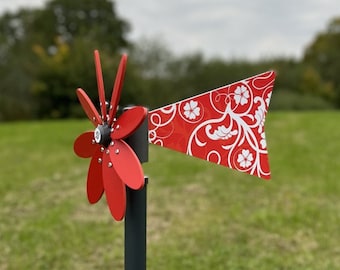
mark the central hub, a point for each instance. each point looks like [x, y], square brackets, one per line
[102, 135]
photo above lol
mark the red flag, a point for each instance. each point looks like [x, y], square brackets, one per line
[224, 126]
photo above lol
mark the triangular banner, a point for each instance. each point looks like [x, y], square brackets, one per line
[223, 126]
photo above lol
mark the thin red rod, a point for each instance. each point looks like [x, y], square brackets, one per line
[117, 88]
[100, 84]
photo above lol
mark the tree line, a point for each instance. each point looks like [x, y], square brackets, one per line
[46, 53]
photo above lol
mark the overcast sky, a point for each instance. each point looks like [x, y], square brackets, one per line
[224, 28]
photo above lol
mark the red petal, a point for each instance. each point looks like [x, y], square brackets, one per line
[95, 187]
[117, 88]
[128, 122]
[114, 190]
[126, 164]
[100, 83]
[83, 145]
[88, 107]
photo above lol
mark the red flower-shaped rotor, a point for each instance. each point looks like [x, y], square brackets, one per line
[113, 163]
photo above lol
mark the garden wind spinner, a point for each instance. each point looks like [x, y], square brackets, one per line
[114, 164]
[223, 126]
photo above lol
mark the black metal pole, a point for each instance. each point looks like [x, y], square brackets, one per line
[135, 216]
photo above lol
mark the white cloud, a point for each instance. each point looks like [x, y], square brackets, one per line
[12, 5]
[228, 28]
[231, 28]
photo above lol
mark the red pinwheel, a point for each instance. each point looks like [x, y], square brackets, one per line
[114, 164]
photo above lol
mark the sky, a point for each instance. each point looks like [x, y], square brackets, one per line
[229, 29]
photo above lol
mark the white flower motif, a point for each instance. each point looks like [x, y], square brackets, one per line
[241, 95]
[245, 158]
[263, 141]
[191, 110]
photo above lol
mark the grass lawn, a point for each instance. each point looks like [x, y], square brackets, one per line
[200, 216]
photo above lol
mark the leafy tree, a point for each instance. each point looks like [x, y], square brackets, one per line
[323, 54]
[311, 83]
[45, 54]
[94, 19]
[15, 99]
[149, 80]
[52, 50]
[164, 78]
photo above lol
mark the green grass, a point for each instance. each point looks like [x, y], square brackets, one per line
[200, 215]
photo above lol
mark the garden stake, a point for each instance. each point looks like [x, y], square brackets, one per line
[135, 216]
[224, 126]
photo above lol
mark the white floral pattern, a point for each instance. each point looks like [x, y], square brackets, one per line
[241, 95]
[245, 158]
[263, 141]
[221, 133]
[268, 99]
[260, 114]
[191, 110]
[224, 126]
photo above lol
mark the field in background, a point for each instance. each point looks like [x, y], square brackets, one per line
[200, 216]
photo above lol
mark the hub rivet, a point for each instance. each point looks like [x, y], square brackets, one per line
[112, 143]
[102, 149]
[100, 160]
[107, 151]
[117, 151]
[97, 135]
[109, 164]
